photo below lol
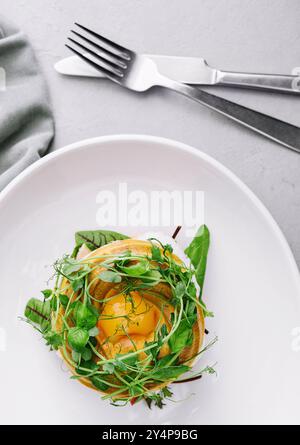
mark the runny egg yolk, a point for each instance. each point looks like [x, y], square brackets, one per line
[127, 322]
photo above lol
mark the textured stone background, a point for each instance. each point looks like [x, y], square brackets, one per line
[245, 35]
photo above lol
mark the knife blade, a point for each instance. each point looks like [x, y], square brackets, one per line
[191, 70]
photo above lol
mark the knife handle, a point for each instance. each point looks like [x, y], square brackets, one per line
[270, 82]
[279, 131]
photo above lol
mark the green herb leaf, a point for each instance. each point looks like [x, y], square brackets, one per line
[53, 303]
[85, 317]
[110, 277]
[38, 312]
[168, 248]
[94, 239]
[89, 365]
[191, 313]
[166, 392]
[197, 252]
[97, 381]
[76, 356]
[109, 367]
[53, 339]
[181, 337]
[64, 300]
[47, 293]
[77, 284]
[122, 363]
[136, 390]
[151, 278]
[140, 267]
[77, 338]
[70, 267]
[164, 361]
[157, 398]
[180, 290]
[156, 253]
[86, 354]
[170, 373]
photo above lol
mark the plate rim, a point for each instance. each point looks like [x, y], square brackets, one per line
[174, 144]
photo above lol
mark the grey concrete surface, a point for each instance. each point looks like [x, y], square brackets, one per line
[240, 35]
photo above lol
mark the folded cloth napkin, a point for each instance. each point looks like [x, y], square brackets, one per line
[26, 122]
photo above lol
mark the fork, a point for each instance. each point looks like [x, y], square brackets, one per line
[139, 73]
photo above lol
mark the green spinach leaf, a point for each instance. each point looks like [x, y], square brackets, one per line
[181, 337]
[197, 252]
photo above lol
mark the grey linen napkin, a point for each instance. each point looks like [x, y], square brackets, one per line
[26, 122]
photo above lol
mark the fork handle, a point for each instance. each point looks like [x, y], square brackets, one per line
[282, 132]
[270, 82]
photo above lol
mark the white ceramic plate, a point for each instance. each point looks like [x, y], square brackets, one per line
[252, 285]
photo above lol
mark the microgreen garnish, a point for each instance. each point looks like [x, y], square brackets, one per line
[70, 314]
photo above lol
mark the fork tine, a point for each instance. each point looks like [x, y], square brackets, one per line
[104, 71]
[107, 65]
[124, 52]
[113, 58]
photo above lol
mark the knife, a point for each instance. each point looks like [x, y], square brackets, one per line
[195, 71]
